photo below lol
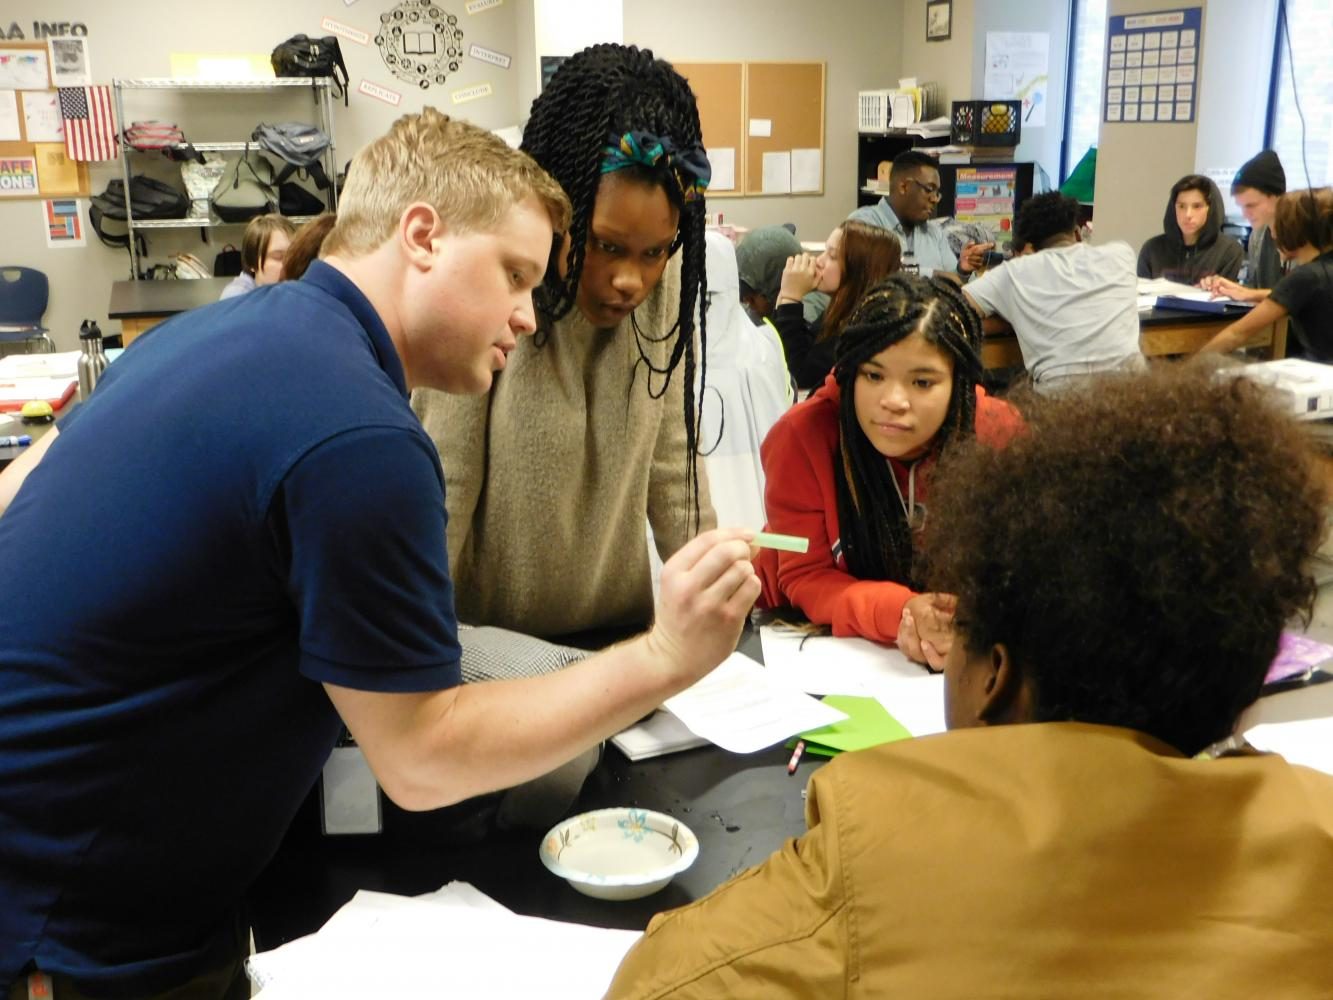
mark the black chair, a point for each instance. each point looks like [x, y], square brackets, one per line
[24, 293]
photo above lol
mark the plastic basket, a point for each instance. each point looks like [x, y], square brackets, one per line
[872, 110]
[986, 123]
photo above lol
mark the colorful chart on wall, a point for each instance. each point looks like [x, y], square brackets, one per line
[1152, 66]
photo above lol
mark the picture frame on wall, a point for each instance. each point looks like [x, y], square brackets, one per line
[939, 20]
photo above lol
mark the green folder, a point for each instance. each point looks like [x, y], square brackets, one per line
[868, 724]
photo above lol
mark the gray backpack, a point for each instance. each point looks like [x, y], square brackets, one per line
[246, 189]
[298, 145]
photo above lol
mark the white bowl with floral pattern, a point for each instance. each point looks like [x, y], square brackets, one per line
[621, 853]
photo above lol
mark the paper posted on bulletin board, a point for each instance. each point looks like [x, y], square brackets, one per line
[985, 195]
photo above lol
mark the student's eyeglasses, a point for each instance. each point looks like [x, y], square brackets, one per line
[931, 190]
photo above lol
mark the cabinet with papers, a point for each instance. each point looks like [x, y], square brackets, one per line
[242, 95]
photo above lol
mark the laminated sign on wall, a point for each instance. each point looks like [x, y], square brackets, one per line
[1152, 66]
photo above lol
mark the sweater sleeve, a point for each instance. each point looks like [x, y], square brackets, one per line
[783, 921]
[1145, 260]
[798, 337]
[798, 471]
[457, 425]
[1233, 256]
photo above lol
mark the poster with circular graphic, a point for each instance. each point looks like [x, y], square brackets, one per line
[420, 43]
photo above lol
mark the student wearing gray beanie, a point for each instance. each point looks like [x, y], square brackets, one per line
[760, 258]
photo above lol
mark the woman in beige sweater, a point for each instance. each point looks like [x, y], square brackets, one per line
[590, 430]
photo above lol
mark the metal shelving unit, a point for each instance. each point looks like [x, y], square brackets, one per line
[321, 93]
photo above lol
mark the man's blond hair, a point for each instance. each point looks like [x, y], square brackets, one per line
[470, 176]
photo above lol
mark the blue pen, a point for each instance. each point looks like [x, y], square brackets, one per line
[14, 440]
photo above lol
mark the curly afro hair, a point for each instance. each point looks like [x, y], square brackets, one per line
[1044, 217]
[1137, 551]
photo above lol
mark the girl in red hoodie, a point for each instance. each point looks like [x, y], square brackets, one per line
[849, 468]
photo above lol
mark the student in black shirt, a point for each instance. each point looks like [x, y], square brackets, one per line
[1303, 231]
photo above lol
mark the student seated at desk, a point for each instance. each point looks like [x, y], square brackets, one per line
[1303, 232]
[850, 468]
[760, 258]
[1192, 245]
[856, 256]
[1121, 585]
[907, 210]
[1073, 306]
[263, 249]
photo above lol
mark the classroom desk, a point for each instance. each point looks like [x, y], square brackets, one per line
[141, 305]
[1161, 332]
[741, 807]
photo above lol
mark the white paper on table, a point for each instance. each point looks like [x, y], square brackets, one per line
[807, 172]
[451, 943]
[9, 116]
[1296, 724]
[761, 128]
[823, 664]
[722, 159]
[64, 363]
[41, 116]
[777, 173]
[742, 708]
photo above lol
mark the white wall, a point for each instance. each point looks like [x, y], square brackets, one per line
[858, 39]
[132, 38]
[948, 63]
[1041, 145]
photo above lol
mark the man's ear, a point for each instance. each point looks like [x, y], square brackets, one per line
[1006, 697]
[418, 229]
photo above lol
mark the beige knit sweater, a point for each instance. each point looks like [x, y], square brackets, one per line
[550, 477]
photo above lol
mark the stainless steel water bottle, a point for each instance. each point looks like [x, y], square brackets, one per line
[92, 358]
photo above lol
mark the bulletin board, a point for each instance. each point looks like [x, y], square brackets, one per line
[786, 100]
[719, 89]
[1153, 66]
[53, 174]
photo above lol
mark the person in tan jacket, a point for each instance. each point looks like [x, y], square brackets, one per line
[1121, 585]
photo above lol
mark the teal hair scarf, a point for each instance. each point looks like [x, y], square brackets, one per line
[689, 166]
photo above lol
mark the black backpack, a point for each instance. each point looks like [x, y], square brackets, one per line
[149, 199]
[301, 55]
[298, 145]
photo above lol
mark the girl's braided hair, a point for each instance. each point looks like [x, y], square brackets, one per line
[876, 538]
[603, 92]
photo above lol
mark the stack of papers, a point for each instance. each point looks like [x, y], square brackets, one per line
[1154, 292]
[454, 942]
[828, 665]
[741, 707]
[868, 724]
[50, 377]
[1298, 725]
[660, 733]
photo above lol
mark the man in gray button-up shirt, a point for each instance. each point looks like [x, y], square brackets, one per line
[914, 191]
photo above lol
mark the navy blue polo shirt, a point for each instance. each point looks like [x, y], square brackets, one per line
[245, 508]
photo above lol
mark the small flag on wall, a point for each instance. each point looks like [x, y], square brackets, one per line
[90, 125]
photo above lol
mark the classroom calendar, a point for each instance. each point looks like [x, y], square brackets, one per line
[1152, 66]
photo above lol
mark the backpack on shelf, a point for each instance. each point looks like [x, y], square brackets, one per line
[160, 137]
[298, 145]
[246, 189]
[227, 263]
[302, 55]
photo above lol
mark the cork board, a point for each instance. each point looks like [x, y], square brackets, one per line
[719, 89]
[57, 175]
[786, 99]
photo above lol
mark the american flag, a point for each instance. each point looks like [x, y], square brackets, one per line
[90, 126]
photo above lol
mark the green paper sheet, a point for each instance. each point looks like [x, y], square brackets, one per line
[868, 724]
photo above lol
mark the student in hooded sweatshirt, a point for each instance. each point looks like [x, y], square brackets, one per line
[1192, 245]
